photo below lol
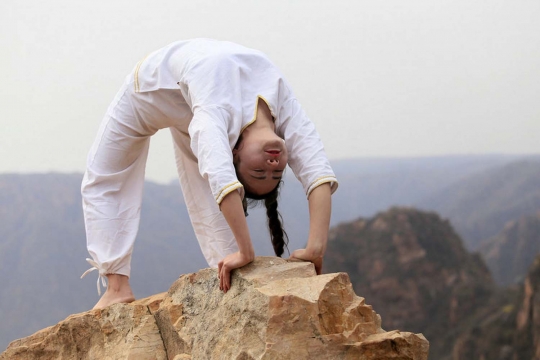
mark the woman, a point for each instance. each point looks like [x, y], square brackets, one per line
[235, 124]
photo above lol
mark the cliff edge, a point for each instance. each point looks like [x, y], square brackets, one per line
[276, 309]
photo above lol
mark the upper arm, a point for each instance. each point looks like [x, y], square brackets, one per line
[307, 157]
[210, 145]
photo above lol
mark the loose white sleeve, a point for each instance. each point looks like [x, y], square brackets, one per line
[307, 157]
[210, 144]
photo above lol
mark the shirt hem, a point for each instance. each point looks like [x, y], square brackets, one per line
[323, 180]
[226, 190]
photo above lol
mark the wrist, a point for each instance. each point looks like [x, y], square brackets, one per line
[248, 254]
[315, 250]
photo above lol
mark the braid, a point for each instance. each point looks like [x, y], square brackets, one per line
[278, 235]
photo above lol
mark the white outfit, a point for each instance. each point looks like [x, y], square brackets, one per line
[206, 92]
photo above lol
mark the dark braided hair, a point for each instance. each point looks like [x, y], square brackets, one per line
[278, 236]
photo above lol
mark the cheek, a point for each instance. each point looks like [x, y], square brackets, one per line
[251, 160]
[242, 160]
[286, 158]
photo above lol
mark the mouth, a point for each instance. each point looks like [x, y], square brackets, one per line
[274, 147]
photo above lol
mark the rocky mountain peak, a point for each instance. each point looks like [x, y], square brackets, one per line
[414, 269]
[275, 309]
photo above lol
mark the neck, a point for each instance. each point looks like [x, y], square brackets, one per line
[264, 117]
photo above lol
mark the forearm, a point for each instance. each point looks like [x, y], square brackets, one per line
[320, 208]
[232, 210]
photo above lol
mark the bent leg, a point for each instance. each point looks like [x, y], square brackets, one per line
[112, 187]
[213, 233]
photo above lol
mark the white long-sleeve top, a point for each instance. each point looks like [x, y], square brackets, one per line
[206, 92]
[221, 83]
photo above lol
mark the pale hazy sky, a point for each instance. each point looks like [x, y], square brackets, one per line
[378, 78]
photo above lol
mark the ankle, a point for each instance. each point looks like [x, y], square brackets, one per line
[118, 282]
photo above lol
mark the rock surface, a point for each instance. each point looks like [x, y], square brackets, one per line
[117, 332]
[275, 310]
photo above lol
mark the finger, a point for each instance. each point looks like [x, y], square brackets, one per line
[318, 267]
[295, 256]
[221, 279]
[299, 254]
[219, 268]
[227, 280]
[320, 262]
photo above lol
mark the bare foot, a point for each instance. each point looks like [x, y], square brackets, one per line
[118, 291]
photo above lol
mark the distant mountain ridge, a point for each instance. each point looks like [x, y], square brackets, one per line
[374, 184]
[482, 203]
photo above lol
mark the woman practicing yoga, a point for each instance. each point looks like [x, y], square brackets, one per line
[235, 124]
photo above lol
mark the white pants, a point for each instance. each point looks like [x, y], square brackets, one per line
[113, 183]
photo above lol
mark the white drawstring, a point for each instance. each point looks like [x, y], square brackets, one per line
[96, 266]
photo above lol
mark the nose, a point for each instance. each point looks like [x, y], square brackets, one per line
[273, 162]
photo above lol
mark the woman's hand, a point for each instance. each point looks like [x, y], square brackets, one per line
[229, 263]
[232, 210]
[320, 207]
[306, 255]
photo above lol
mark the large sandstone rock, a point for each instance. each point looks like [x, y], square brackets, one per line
[117, 332]
[275, 310]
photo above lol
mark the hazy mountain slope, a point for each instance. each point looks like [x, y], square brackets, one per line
[480, 205]
[510, 253]
[24, 215]
[373, 185]
[413, 267]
